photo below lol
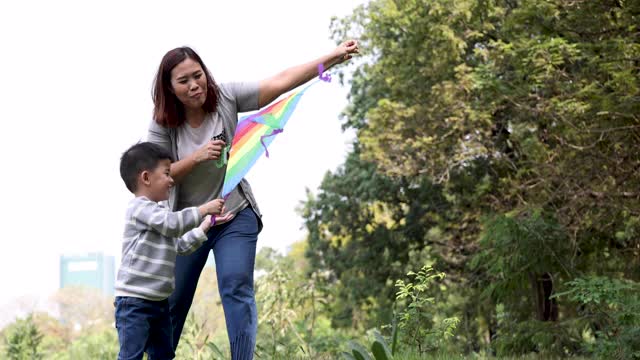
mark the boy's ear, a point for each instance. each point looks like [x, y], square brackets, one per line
[145, 178]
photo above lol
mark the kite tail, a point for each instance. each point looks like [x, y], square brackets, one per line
[273, 133]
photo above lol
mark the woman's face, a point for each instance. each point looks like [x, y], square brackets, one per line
[189, 84]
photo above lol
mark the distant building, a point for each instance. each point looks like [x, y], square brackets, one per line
[94, 270]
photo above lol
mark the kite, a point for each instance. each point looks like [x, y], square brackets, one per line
[254, 133]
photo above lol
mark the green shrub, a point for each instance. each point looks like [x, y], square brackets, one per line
[22, 340]
[610, 311]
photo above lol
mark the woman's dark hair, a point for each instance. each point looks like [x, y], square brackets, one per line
[168, 110]
[138, 158]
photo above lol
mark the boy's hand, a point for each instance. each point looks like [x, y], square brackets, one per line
[205, 225]
[213, 207]
[217, 206]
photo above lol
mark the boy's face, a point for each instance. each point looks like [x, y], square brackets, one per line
[158, 182]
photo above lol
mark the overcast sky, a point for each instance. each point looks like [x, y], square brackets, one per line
[75, 93]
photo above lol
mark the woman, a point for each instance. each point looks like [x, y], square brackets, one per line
[195, 119]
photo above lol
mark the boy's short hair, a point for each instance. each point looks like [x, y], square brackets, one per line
[138, 158]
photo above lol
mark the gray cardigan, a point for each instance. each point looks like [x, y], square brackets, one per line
[233, 98]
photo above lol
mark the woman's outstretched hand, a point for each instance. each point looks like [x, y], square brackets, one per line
[345, 51]
[274, 86]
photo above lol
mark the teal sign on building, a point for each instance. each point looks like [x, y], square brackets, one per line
[94, 270]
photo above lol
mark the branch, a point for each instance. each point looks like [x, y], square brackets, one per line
[625, 194]
[577, 147]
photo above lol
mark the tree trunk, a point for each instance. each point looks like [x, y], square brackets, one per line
[546, 308]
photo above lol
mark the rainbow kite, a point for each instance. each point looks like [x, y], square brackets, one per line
[254, 134]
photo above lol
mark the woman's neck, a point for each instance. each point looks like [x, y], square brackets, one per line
[194, 117]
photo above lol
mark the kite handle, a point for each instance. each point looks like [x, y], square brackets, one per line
[323, 77]
[224, 157]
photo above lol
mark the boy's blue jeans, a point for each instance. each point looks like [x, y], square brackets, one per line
[143, 325]
[234, 248]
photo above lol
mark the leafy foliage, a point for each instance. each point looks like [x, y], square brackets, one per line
[22, 340]
[195, 341]
[610, 309]
[417, 324]
[520, 120]
[92, 345]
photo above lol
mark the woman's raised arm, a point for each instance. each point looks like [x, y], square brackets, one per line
[272, 87]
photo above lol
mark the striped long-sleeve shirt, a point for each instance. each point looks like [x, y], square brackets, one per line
[153, 236]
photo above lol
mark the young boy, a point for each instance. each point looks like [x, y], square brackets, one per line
[153, 236]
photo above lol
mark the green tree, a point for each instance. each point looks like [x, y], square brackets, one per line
[522, 116]
[22, 340]
[365, 231]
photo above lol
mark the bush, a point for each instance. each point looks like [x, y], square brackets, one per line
[22, 340]
[610, 311]
[419, 328]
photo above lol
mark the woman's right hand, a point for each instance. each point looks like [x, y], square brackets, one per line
[210, 151]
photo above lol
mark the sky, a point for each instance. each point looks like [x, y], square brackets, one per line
[76, 92]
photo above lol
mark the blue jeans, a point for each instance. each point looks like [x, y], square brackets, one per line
[234, 248]
[143, 325]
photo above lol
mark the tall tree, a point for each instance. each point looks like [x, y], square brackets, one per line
[524, 114]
